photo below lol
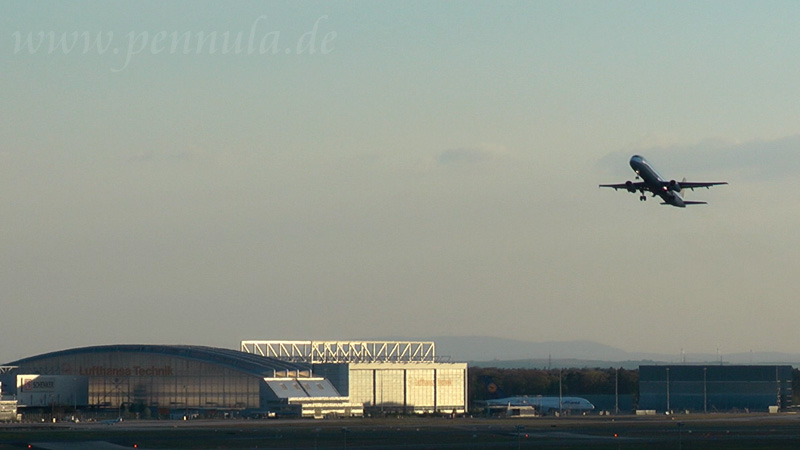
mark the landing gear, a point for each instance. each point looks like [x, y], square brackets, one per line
[643, 198]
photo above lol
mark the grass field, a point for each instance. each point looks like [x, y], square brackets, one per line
[773, 432]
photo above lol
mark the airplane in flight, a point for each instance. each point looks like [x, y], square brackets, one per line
[543, 404]
[669, 191]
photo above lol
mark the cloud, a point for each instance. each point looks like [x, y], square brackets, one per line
[471, 155]
[759, 159]
[165, 155]
[762, 159]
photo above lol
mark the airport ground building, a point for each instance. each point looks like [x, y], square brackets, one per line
[711, 388]
[382, 376]
[8, 405]
[263, 378]
[169, 379]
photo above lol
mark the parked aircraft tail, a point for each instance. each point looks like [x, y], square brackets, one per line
[492, 388]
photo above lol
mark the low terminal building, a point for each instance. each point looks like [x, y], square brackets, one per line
[380, 376]
[8, 405]
[46, 390]
[710, 388]
[164, 379]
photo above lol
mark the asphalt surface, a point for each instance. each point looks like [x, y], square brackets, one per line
[753, 431]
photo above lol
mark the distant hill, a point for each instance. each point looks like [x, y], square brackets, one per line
[479, 348]
[499, 352]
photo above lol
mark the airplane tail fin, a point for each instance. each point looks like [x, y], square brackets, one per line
[493, 389]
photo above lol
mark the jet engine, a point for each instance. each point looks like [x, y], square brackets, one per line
[674, 186]
[629, 186]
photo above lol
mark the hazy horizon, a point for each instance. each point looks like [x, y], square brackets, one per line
[203, 173]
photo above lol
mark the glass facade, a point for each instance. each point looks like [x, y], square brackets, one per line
[389, 387]
[409, 387]
[420, 388]
[450, 390]
[362, 387]
[714, 388]
[157, 380]
[178, 384]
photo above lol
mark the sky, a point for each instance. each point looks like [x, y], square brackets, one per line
[208, 172]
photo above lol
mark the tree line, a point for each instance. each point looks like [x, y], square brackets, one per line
[490, 382]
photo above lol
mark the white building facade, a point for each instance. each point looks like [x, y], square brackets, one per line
[381, 376]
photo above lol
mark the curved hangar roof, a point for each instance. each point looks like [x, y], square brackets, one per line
[261, 366]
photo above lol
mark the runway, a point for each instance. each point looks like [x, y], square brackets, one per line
[751, 431]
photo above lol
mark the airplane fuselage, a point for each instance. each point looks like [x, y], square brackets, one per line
[544, 404]
[669, 191]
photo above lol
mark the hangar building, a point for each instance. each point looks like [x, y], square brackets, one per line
[708, 388]
[387, 376]
[173, 378]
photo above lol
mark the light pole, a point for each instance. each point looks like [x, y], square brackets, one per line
[667, 390]
[705, 391]
[778, 382]
[185, 403]
[75, 395]
[560, 393]
[519, 429]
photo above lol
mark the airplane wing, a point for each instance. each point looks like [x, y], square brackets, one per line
[635, 186]
[691, 185]
[689, 202]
